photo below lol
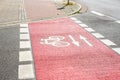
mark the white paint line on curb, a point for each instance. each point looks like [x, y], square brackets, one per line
[83, 25]
[26, 71]
[89, 29]
[97, 13]
[116, 50]
[97, 35]
[25, 44]
[24, 36]
[25, 56]
[108, 42]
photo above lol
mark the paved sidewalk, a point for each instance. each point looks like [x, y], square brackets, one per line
[9, 11]
[41, 9]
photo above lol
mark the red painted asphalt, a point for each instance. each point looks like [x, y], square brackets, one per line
[62, 50]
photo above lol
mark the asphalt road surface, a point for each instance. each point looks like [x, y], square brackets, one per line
[103, 16]
[9, 48]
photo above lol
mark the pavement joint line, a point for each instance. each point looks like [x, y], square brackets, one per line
[97, 35]
[108, 42]
[116, 50]
[89, 29]
[97, 13]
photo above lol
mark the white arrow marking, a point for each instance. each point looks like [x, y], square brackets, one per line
[74, 41]
[83, 38]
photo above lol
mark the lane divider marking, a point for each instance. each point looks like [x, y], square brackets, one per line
[107, 42]
[97, 13]
[78, 22]
[73, 18]
[83, 25]
[97, 35]
[25, 44]
[89, 29]
[116, 50]
[25, 70]
[24, 36]
[100, 14]
[25, 56]
[24, 30]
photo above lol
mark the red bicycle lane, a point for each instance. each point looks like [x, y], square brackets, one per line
[62, 50]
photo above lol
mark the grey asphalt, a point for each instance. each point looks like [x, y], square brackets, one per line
[103, 25]
[9, 52]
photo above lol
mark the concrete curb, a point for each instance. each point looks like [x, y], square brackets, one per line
[69, 9]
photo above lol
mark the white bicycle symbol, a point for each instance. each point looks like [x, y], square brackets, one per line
[55, 41]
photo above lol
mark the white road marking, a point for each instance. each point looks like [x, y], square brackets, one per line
[90, 30]
[73, 18]
[26, 71]
[22, 30]
[108, 42]
[25, 44]
[74, 41]
[25, 56]
[85, 40]
[98, 35]
[118, 21]
[24, 36]
[23, 25]
[97, 13]
[83, 25]
[116, 50]
[78, 22]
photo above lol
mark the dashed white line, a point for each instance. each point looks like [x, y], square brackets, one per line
[108, 42]
[25, 44]
[89, 29]
[83, 25]
[97, 13]
[97, 35]
[24, 36]
[73, 18]
[116, 50]
[22, 30]
[25, 56]
[26, 71]
[24, 25]
[78, 22]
